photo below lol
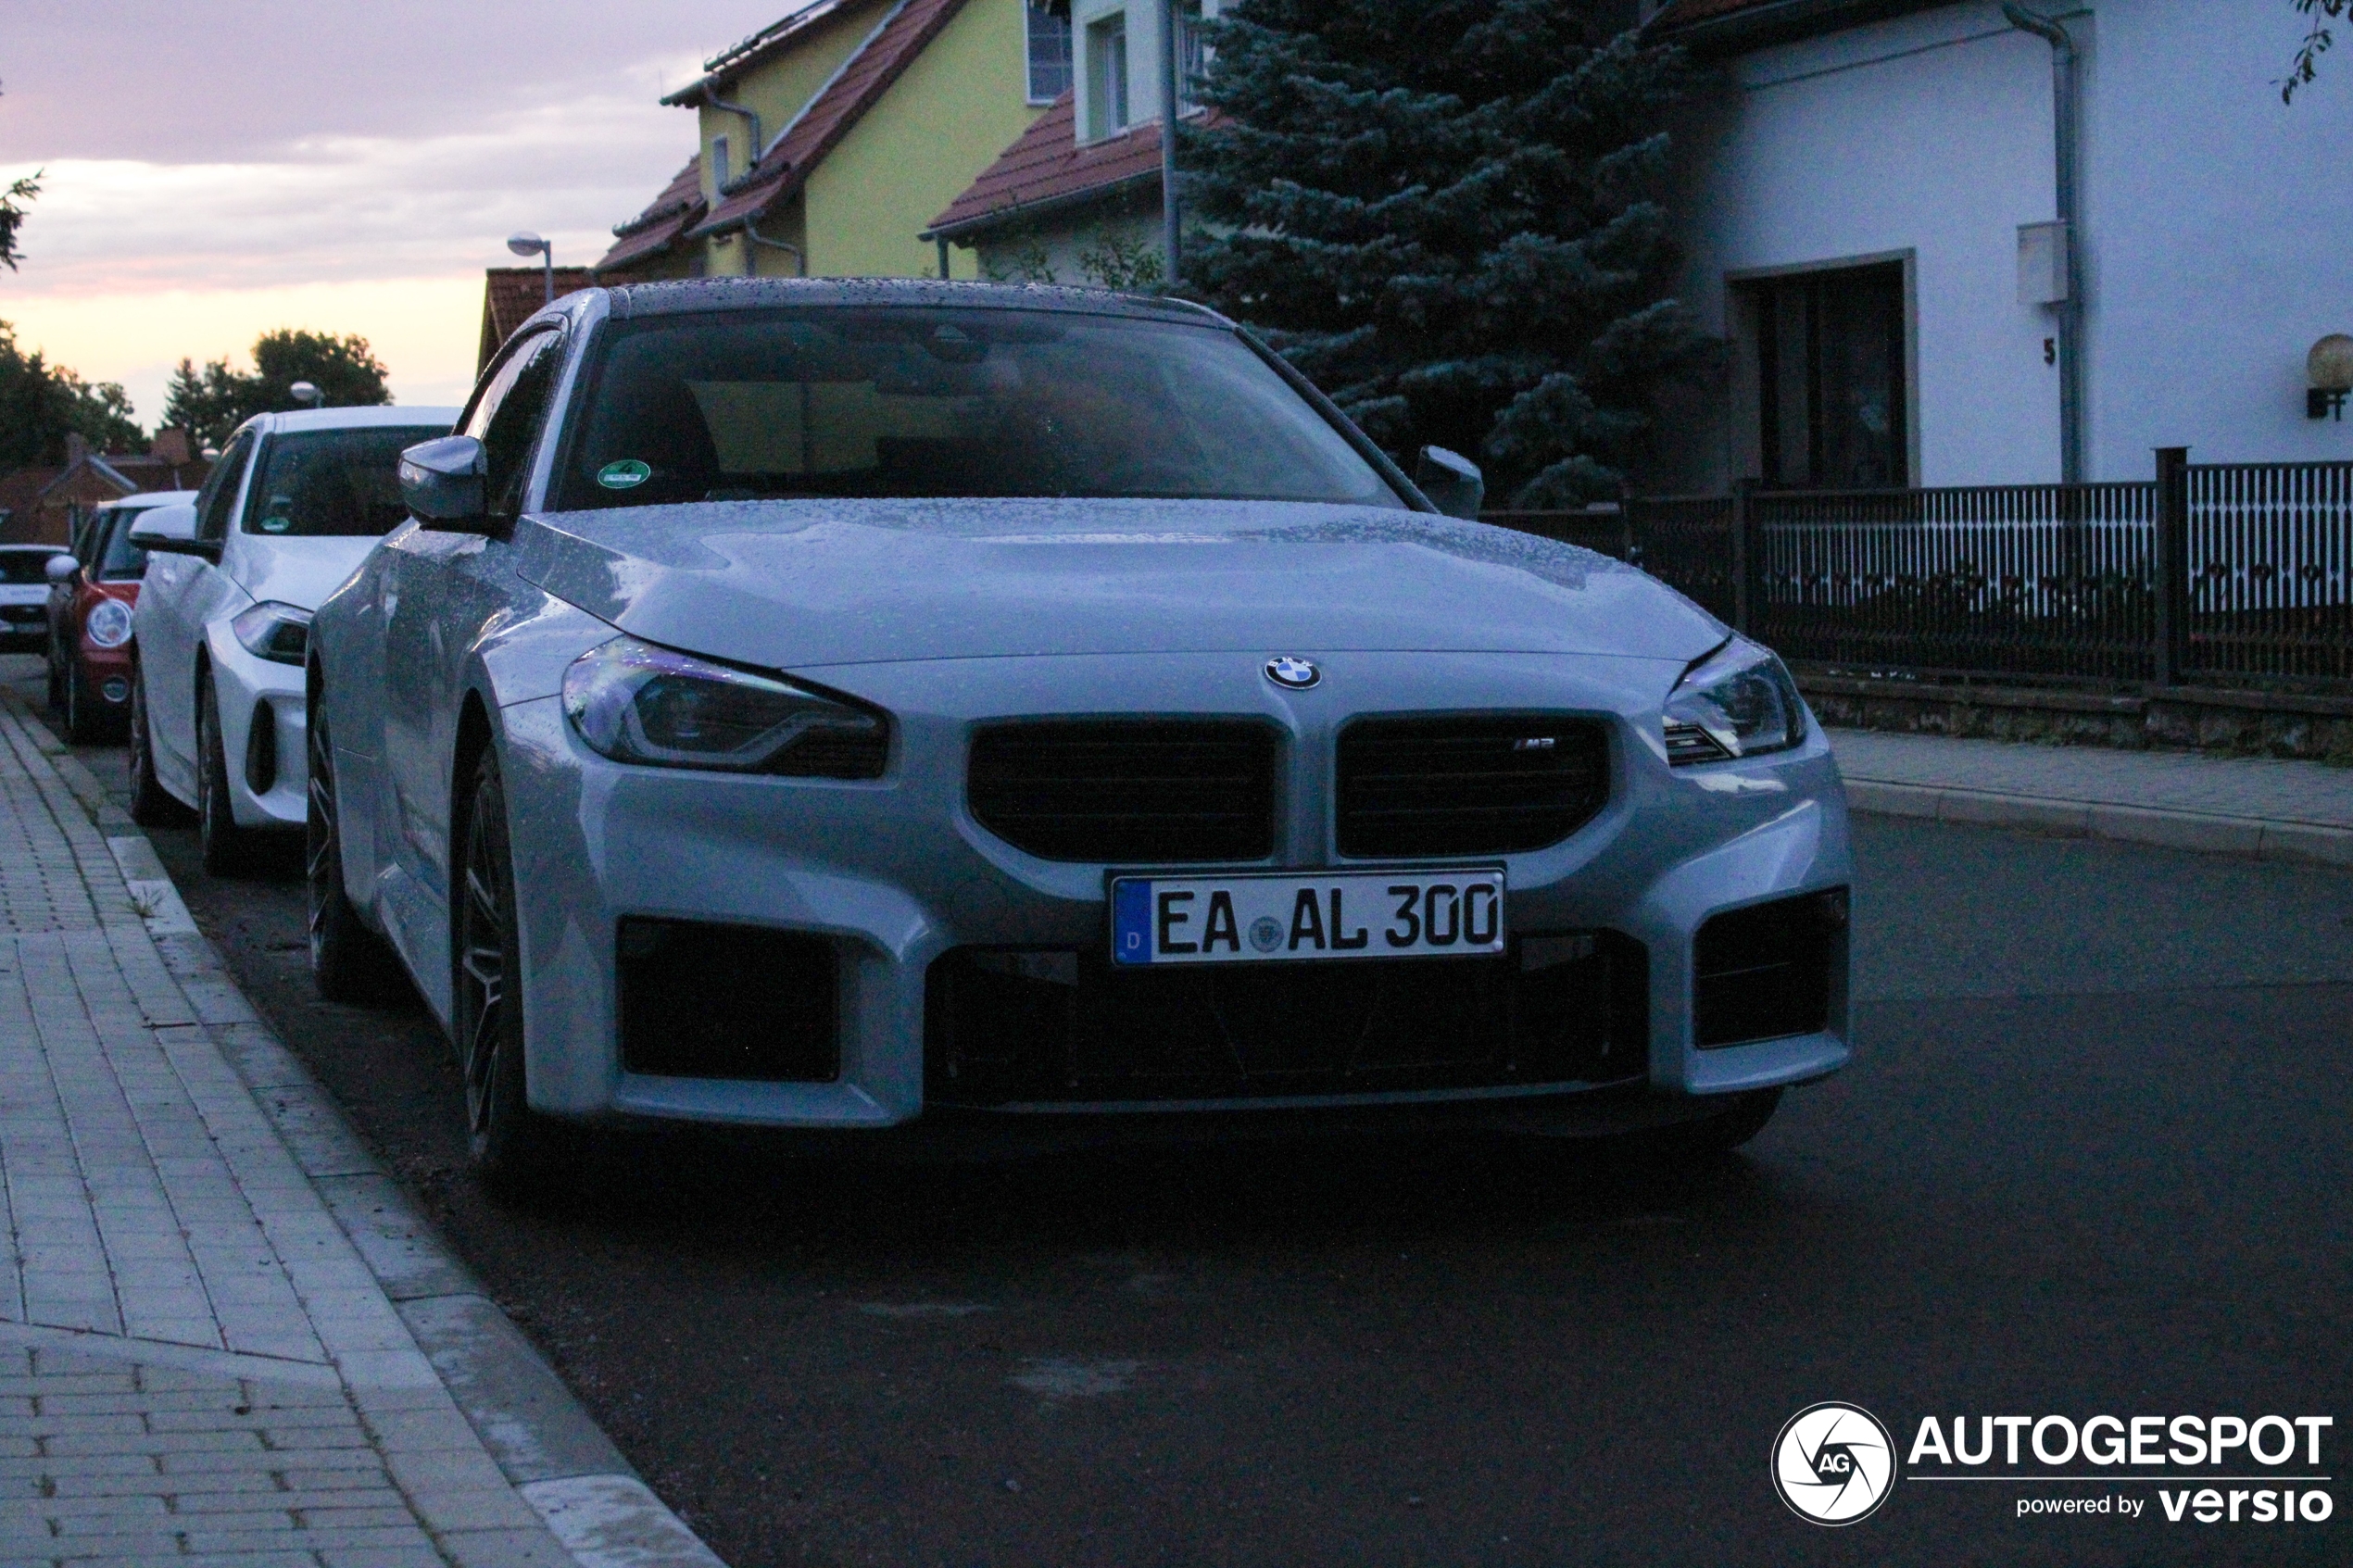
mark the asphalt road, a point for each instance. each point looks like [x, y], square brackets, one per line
[2093, 1158]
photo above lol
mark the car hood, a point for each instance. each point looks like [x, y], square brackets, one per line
[794, 585]
[298, 572]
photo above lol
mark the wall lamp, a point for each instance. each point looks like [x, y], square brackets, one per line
[2330, 369]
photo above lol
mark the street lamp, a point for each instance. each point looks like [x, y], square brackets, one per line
[2330, 369]
[307, 393]
[525, 242]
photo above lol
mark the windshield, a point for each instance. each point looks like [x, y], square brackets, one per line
[26, 566]
[122, 561]
[344, 484]
[888, 403]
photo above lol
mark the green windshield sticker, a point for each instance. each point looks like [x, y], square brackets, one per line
[624, 473]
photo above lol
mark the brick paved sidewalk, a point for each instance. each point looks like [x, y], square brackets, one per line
[2255, 805]
[198, 1365]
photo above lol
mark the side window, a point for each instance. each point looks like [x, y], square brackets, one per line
[506, 419]
[220, 492]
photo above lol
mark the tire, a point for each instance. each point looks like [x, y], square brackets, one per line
[1717, 1136]
[57, 678]
[152, 806]
[348, 962]
[514, 1149]
[227, 848]
[86, 722]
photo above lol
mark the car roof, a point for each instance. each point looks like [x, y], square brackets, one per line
[147, 498]
[351, 419]
[754, 294]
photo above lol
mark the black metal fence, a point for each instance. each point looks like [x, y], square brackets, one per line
[2269, 552]
[2234, 574]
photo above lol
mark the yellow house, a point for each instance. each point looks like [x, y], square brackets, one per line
[829, 140]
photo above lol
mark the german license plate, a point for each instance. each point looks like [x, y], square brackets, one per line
[1278, 917]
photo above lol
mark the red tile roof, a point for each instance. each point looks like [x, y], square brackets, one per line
[855, 88]
[654, 230]
[761, 46]
[1048, 166]
[509, 295]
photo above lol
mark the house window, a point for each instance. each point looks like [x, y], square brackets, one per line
[1107, 76]
[1192, 56]
[1832, 389]
[718, 164]
[1048, 49]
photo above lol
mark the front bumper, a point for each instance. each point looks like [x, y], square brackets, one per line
[893, 875]
[268, 765]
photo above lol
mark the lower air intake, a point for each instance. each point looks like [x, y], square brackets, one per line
[699, 1001]
[1764, 973]
[1009, 1027]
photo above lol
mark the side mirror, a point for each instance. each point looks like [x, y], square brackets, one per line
[1451, 482]
[172, 532]
[61, 567]
[441, 482]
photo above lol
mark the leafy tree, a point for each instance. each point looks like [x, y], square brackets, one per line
[2318, 36]
[1444, 212]
[211, 402]
[41, 404]
[12, 200]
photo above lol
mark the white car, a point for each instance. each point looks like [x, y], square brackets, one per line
[883, 710]
[295, 503]
[24, 595]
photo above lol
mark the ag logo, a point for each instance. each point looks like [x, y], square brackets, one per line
[1833, 1463]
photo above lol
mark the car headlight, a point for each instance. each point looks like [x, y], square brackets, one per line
[1738, 701]
[109, 624]
[279, 632]
[634, 702]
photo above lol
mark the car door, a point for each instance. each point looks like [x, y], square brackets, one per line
[437, 589]
[179, 593]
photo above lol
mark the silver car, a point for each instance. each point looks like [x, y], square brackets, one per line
[928, 711]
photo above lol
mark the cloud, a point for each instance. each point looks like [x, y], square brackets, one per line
[169, 81]
[213, 170]
[348, 209]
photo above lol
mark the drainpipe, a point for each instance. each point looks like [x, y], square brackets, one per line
[758, 150]
[2071, 309]
[1172, 18]
[753, 234]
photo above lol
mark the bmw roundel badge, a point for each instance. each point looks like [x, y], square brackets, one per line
[1297, 673]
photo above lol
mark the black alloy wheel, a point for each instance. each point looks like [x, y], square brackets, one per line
[513, 1148]
[86, 721]
[348, 962]
[227, 848]
[152, 806]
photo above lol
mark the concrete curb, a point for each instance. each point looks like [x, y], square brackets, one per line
[544, 1440]
[2309, 843]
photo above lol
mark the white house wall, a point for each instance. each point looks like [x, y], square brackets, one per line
[2218, 226]
[2224, 229]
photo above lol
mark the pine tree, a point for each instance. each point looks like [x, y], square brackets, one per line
[1446, 214]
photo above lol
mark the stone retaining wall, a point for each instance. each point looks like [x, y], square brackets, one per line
[2233, 723]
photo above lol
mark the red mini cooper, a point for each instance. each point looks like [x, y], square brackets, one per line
[91, 588]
